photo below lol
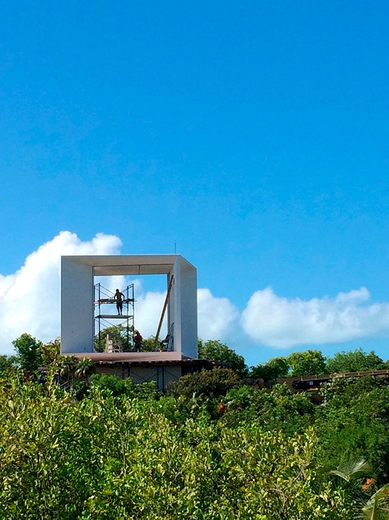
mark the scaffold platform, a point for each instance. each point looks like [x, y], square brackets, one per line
[113, 316]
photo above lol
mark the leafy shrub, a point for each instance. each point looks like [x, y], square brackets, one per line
[206, 384]
[110, 458]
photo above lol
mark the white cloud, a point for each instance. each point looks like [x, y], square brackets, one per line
[283, 323]
[30, 302]
[148, 310]
[30, 298]
[218, 318]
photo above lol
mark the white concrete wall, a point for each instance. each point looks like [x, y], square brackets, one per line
[77, 294]
[77, 320]
[184, 306]
[189, 345]
[176, 306]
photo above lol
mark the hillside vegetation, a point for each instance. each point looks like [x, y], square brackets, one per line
[211, 447]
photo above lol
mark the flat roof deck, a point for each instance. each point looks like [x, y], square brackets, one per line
[136, 357]
[129, 356]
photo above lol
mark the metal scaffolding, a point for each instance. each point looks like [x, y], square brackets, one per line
[121, 325]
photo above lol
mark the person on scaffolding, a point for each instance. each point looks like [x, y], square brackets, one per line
[119, 297]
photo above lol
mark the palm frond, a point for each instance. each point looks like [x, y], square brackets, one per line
[351, 469]
[377, 507]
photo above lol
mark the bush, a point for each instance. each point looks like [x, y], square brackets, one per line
[104, 458]
[206, 384]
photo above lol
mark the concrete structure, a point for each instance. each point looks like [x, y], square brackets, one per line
[77, 299]
[144, 367]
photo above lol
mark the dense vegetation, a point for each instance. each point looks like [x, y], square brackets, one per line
[211, 447]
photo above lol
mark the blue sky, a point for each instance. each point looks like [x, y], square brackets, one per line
[251, 137]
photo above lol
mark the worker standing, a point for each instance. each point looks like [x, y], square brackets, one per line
[137, 341]
[119, 297]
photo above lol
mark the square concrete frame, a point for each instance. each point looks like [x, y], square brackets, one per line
[77, 298]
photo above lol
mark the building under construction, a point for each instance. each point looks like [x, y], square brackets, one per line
[88, 309]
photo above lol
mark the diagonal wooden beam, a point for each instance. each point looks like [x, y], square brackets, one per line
[169, 290]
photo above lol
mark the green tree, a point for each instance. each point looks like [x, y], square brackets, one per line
[271, 370]
[217, 351]
[29, 352]
[7, 365]
[50, 352]
[308, 363]
[119, 334]
[148, 344]
[354, 361]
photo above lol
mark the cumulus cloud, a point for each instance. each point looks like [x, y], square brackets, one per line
[217, 317]
[30, 298]
[283, 323]
[148, 311]
[30, 302]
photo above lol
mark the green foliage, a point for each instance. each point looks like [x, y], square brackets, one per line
[272, 370]
[351, 469]
[359, 488]
[353, 424]
[7, 366]
[275, 409]
[377, 507]
[341, 391]
[308, 363]
[147, 390]
[209, 448]
[259, 489]
[112, 385]
[50, 352]
[354, 361]
[119, 334]
[67, 365]
[206, 384]
[148, 344]
[84, 369]
[110, 458]
[216, 351]
[178, 410]
[29, 352]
